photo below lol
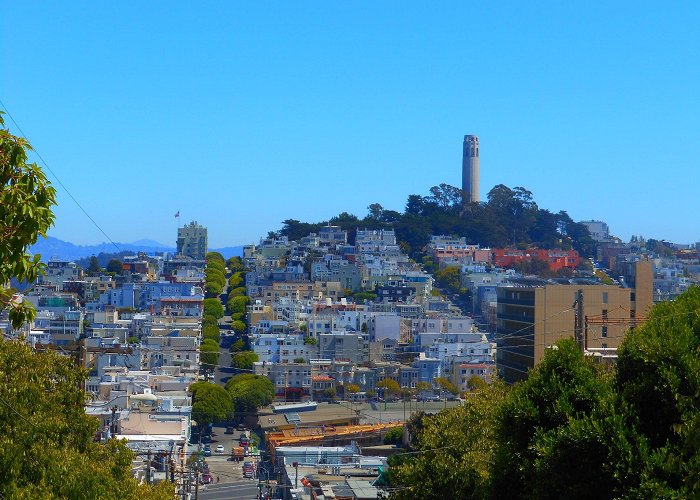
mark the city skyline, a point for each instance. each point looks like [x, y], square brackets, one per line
[261, 108]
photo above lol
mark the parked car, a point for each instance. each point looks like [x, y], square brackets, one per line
[220, 448]
[206, 478]
[207, 451]
[241, 427]
[229, 430]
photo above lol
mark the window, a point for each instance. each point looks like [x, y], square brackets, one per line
[604, 331]
[605, 297]
[605, 314]
[605, 346]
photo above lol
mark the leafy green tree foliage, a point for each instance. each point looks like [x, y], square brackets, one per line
[360, 297]
[94, 266]
[237, 346]
[235, 280]
[214, 257]
[213, 307]
[658, 380]
[209, 353]
[299, 360]
[212, 289]
[390, 386]
[238, 316]
[208, 319]
[457, 451]
[235, 264]
[236, 292]
[249, 392]
[115, 266]
[352, 388]
[211, 403]
[237, 305]
[310, 341]
[394, 436]
[238, 326]
[449, 278]
[244, 360]
[46, 439]
[447, 386]
[562, 388]
[132, 340]
[26, 199]
[211, 332]
[330, 393]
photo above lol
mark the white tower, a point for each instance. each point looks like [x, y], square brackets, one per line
[470, 169]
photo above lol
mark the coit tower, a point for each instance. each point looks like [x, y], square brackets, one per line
[470, 169]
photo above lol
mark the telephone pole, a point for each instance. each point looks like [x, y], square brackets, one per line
[578, 319]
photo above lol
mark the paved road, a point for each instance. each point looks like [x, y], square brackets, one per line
[244, 489]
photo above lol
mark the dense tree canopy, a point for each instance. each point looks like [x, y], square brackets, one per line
[244, 360]
[213, 307]
[211, 403]
[508, 217]
[574, 429]
[46, 439]
[209, 353]
[249, 392]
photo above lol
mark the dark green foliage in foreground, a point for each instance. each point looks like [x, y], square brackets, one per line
[574, 429]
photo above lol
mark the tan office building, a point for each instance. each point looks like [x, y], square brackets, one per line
[534, 314]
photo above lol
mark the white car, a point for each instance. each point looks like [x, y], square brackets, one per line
[220, 448]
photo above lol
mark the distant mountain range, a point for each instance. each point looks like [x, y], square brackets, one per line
[53, 247]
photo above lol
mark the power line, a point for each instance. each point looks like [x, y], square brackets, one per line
[57, 178]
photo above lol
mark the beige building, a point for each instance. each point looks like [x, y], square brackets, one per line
[533, 314]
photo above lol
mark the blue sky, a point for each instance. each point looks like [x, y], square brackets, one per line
[241, 115]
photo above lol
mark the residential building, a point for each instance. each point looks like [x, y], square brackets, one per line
[192, 241]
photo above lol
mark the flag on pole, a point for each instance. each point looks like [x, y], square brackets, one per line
[177, 214]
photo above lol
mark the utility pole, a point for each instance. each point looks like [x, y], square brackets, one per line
[148, 468]
[578, 319]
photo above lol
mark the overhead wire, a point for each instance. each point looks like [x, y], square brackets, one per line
[45, 164]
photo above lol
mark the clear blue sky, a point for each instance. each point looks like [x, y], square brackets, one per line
[241, 115]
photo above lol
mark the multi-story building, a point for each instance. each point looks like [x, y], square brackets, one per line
[192, 240]
[534, 314]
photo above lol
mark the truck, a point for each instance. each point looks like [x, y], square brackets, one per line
[238, 453]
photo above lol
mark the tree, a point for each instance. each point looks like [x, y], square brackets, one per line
[450, 279]
[214, 257]
[235, 280]
[249, 392]
[94, 266]
[209, 353]
[238, 326]
[235, 264]
[47, 447]
[447, 386]
[211, 403]
[26, 201]
[424, 387]
[390, 385]
[211, 332]
[237, 346]
[455, 451]
[236, 292]
[115, 266]
[310, 341]
[299, 360]
[360, 297]
[330, 393]
[244, 360]
[213, 307]
[352, 388]
[237, 305]
[132, 340]
[475, 383]
[394, 436]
